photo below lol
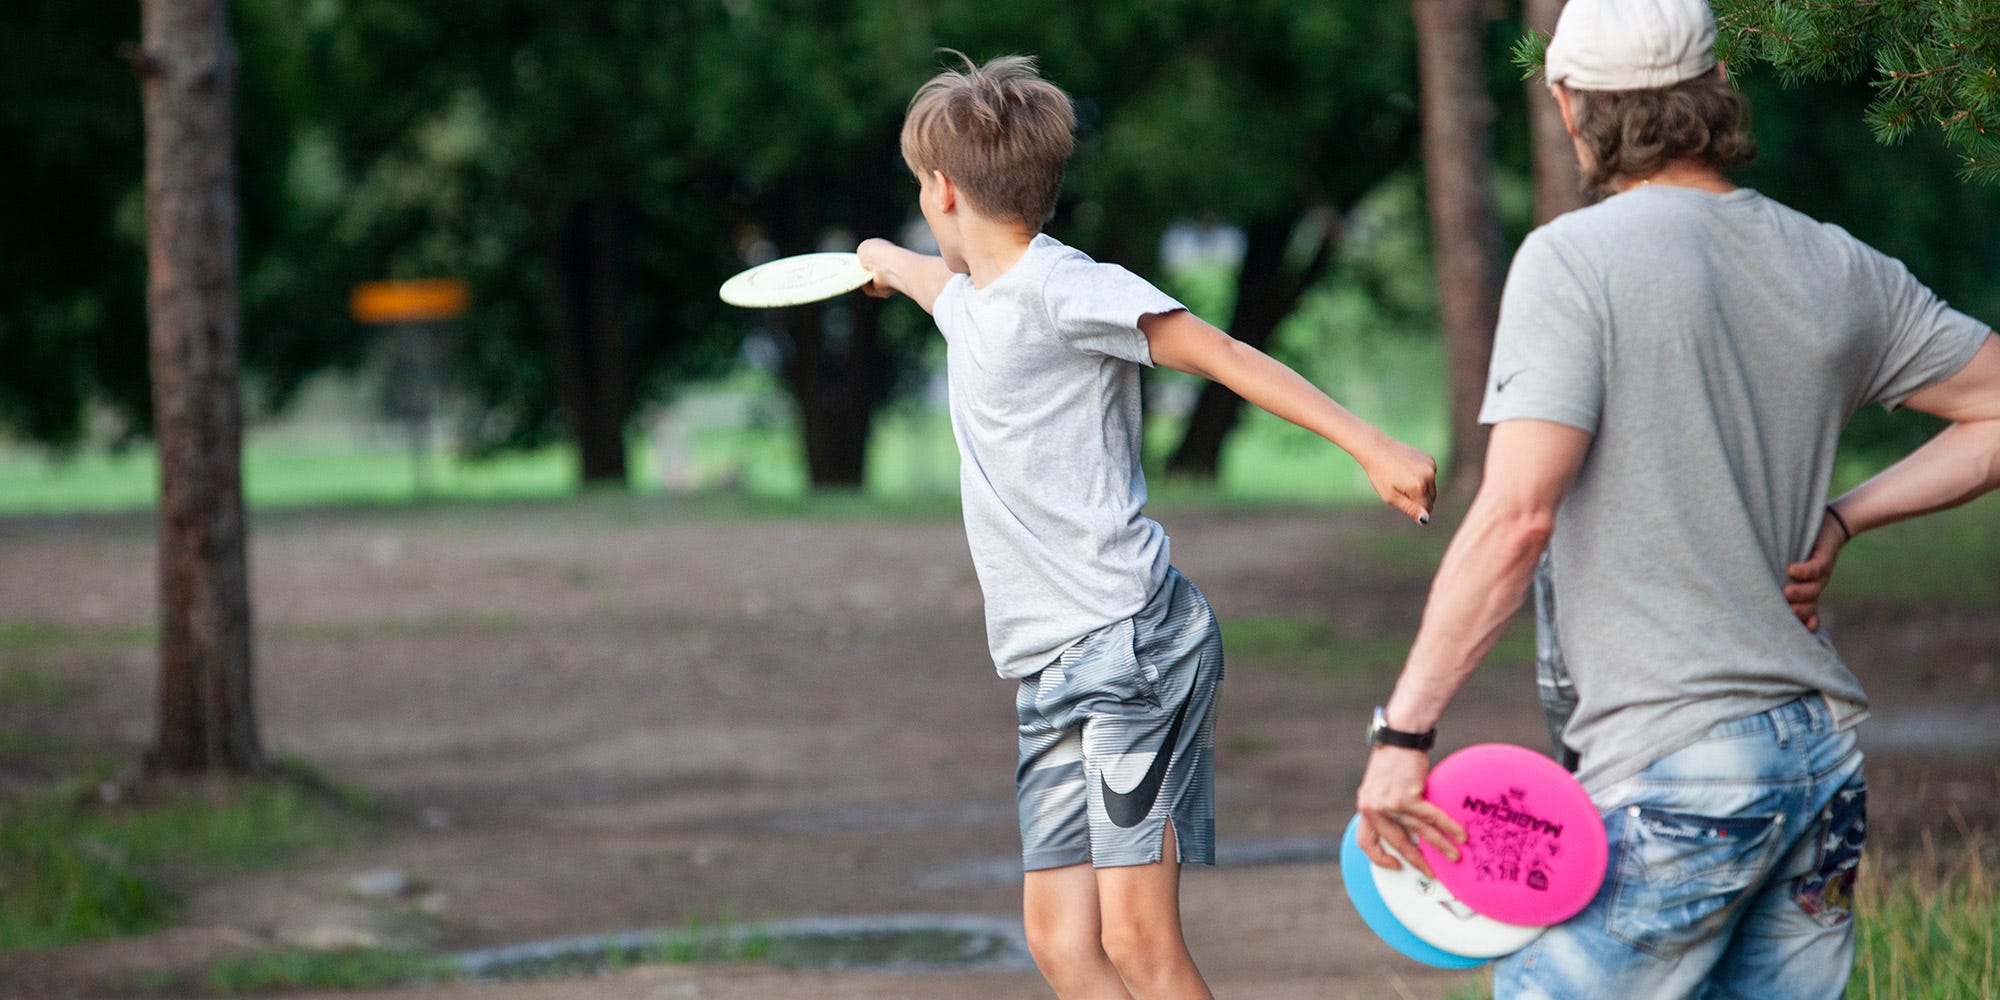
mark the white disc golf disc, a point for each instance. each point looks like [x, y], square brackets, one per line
[1429, 910]
[791, 281]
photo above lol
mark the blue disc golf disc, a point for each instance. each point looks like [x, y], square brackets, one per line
[1356, 873]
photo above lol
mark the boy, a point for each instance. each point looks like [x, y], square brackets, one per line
[1117, 654]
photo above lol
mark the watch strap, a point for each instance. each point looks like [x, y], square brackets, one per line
[1381, 735]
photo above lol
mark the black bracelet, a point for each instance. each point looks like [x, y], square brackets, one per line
[1846, 535]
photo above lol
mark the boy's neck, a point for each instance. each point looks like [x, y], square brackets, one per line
[992, 248]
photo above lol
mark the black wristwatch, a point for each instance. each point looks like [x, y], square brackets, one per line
[1380, 735]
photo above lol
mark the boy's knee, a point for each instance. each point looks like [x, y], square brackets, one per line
[1141, 948]
[1058, 945]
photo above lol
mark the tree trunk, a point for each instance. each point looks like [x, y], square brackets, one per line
[1465, 232]
[1558, 181]
[1265, 294]
[188, 70]
[833, 371]
[834, 363]
[590, 335]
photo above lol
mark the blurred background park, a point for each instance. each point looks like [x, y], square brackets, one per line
[591, 172]
[1338, 181]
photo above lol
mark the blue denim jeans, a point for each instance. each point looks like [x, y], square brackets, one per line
[1731, 873]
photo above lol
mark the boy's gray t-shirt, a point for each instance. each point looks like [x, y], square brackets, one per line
[1715, 345]
[1043, 370]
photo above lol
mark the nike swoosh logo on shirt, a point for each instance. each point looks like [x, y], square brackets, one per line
[1127, 809]
[1501, 386]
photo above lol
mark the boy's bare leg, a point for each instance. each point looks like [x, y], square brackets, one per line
[1141, 912]
[1065, 934]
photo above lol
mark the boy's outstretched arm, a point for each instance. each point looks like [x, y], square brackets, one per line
[919, 276]
[1404, 477]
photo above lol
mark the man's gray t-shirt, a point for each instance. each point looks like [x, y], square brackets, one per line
[1715, 345]
[1043, 368]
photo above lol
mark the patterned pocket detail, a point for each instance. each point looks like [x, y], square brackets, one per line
[1827, 894]
[1681, 876]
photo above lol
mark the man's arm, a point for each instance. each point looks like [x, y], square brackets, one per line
[919, 276]
[1962, 462]
[1485, 575]
[1404, 477]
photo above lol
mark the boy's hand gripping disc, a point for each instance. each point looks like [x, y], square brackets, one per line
[791, 281]
[1535, 851]
[1357, 874]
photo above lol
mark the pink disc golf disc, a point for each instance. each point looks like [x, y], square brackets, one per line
[1535, 851]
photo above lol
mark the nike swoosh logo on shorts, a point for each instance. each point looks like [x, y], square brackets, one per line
[1128, 809]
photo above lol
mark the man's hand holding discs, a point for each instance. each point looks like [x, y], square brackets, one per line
[1393, 810]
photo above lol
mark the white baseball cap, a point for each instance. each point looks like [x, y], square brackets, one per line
[1631, 44]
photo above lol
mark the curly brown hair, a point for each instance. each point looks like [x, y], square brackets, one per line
[1633, 134]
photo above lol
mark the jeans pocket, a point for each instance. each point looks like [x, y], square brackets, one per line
[1681, 875]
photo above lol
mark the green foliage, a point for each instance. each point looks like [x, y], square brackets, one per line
[72, 870]
[1950, 558]
[1229, 113]
[72, 286]
[1929, 63]
[1933, 63]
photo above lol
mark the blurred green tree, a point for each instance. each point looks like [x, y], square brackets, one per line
[72, 257]
[1272, 118]
[1813, 115]
[541, 153]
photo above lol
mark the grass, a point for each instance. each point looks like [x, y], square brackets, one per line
[1951, 558]
[1314, 644]
[697, 940]
[350, 969]
[1925, 930]
[25, 682]
[747, 446]
[25, 636]
[32, 684]
[73, 869]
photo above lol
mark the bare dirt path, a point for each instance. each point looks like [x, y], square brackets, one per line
[597, 723]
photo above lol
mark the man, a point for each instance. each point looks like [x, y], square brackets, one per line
[1670, 376]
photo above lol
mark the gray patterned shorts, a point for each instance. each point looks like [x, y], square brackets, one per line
[1118, 737]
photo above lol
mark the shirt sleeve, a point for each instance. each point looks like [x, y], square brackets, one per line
[949, 306]
[1097, 308]
[1548, 350]
[1927, 341]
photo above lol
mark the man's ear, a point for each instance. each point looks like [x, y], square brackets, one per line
[947, 192]
[1562, 96]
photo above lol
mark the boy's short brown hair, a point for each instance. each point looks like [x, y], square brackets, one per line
[1635, 133]
[999, 131]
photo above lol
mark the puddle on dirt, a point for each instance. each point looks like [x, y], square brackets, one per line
[890, 816]
[914, 942]
[977, 872]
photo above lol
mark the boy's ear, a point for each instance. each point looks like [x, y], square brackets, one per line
[947, 191]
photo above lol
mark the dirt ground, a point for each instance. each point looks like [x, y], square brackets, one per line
[589, 722]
